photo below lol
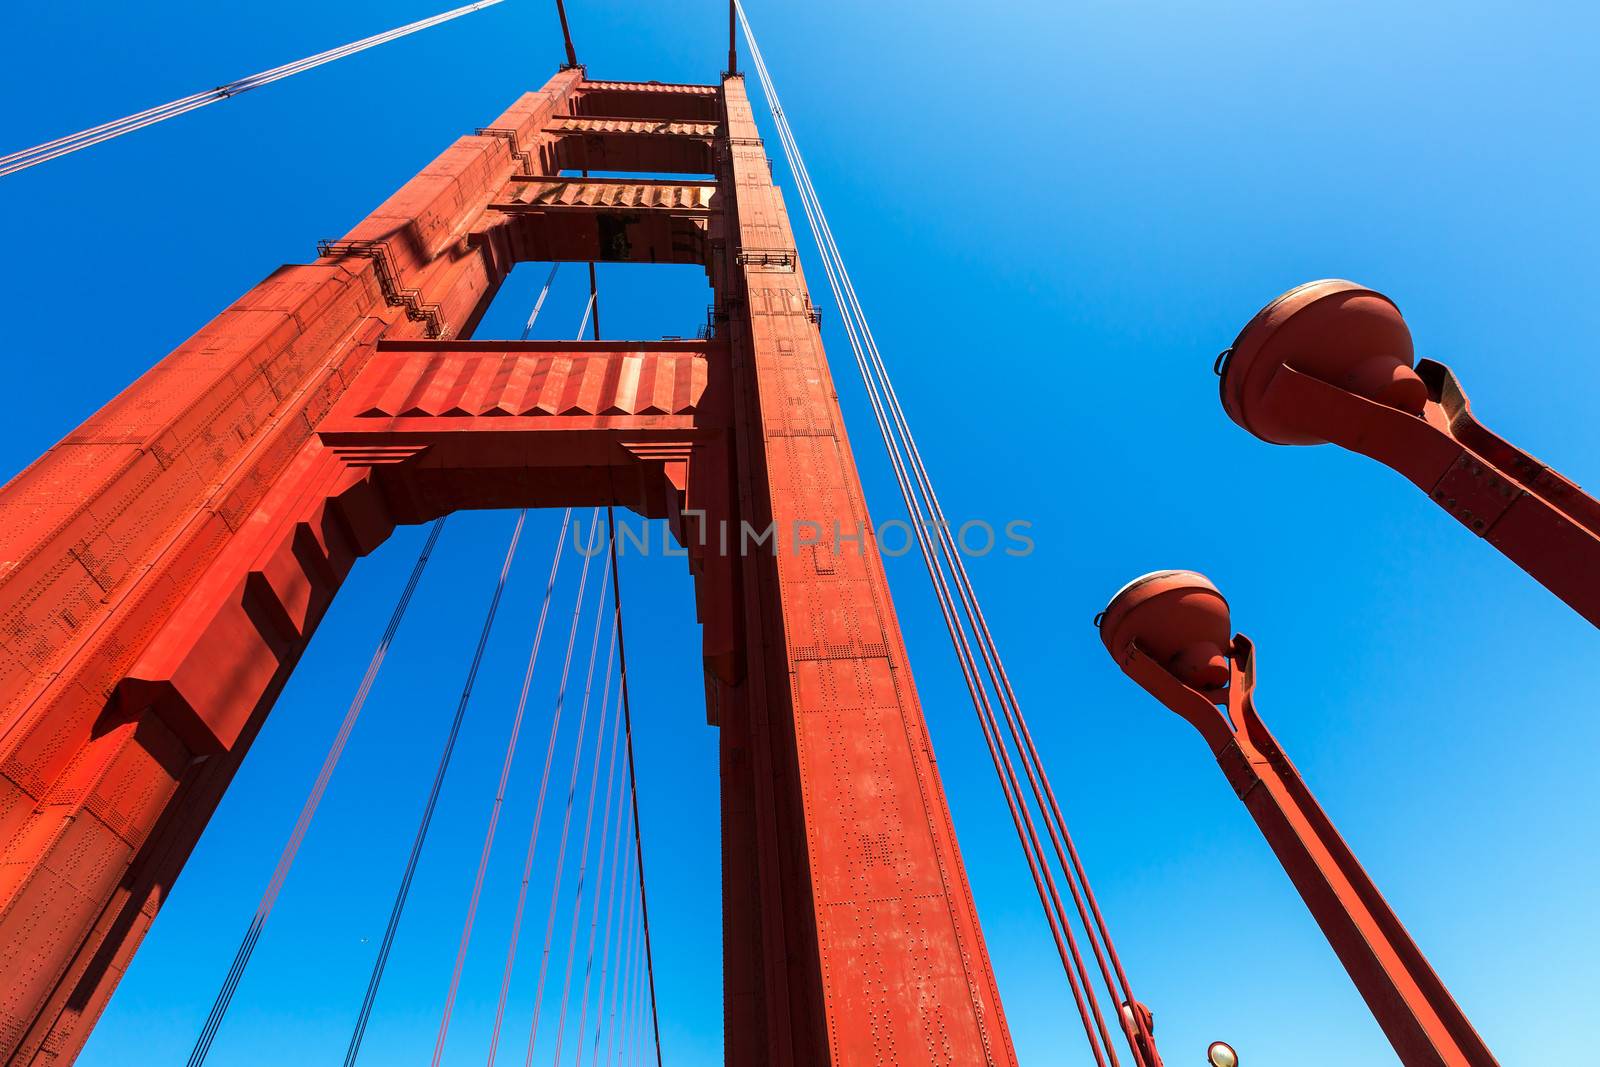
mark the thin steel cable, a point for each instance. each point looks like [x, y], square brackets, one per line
[291, 849]
[24, 158]
[499, 795]
[607, 870]
[621, 865]
[633, 782]
[588, 827]
[626, 1013]
[1039, 870]
[587, 310]
[404, 891]
[624, 965]
[851, 307]
[1071, 861]
[594, 298]
[635, 1023]
[117, 127]
[1060, 837]
[544, 783]
[566, 826]
[1022, 821]
[544, 779]
[1038, 779]
[1044, 795]
[622, 982]
[538, 305]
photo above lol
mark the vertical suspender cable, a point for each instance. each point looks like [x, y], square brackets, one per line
[607, 870]
[588, 309]
[550, 748]
[1039, 783]
[621, 863]
[588, 827]
[60, 146]
[594, 302]
[627, 719]
[1038, 779]
[624, 975]
[633, 783]
[499, 796]
[1044, 881]
[566, 824]
[544, 783]
[935, 519]
[538, 305]
[896, 430]
[404, 891]
[635, 1024]
[291, 849]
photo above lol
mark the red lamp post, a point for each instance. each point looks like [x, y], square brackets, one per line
[1331, 361]
[1169, 631]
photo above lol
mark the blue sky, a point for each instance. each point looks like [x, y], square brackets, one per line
[1056, 214]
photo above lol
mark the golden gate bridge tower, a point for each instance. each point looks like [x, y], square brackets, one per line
[168, 561]
[174, 554]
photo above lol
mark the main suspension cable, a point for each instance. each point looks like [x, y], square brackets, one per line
[291, 849]
[916, 488]
[60, 146]
[426, 821]
[566, 34]
[499, 795]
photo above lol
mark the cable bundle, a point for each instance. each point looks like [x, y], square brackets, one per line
[979, 657]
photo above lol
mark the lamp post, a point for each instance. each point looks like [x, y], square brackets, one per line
[1169, 631]
[1331, 361]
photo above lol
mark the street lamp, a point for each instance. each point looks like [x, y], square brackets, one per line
[1169, 631]
[1331, 361]
[1221, 1054]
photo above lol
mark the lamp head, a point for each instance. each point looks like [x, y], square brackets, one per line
[1333, 330]
[1180, 620]
[1133, 1014]
[1221, 1054]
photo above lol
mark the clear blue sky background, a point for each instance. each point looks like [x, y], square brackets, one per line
[1057, 215]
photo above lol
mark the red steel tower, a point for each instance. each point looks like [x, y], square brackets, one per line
[165, 564]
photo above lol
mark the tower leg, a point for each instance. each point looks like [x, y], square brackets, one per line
[881, 953]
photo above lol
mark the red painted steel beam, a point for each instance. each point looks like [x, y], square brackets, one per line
[649, 100]
[625, 144]
[862, 944]
[167, 562]
[1169, 631]
[158, 498]
[1331, 361]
